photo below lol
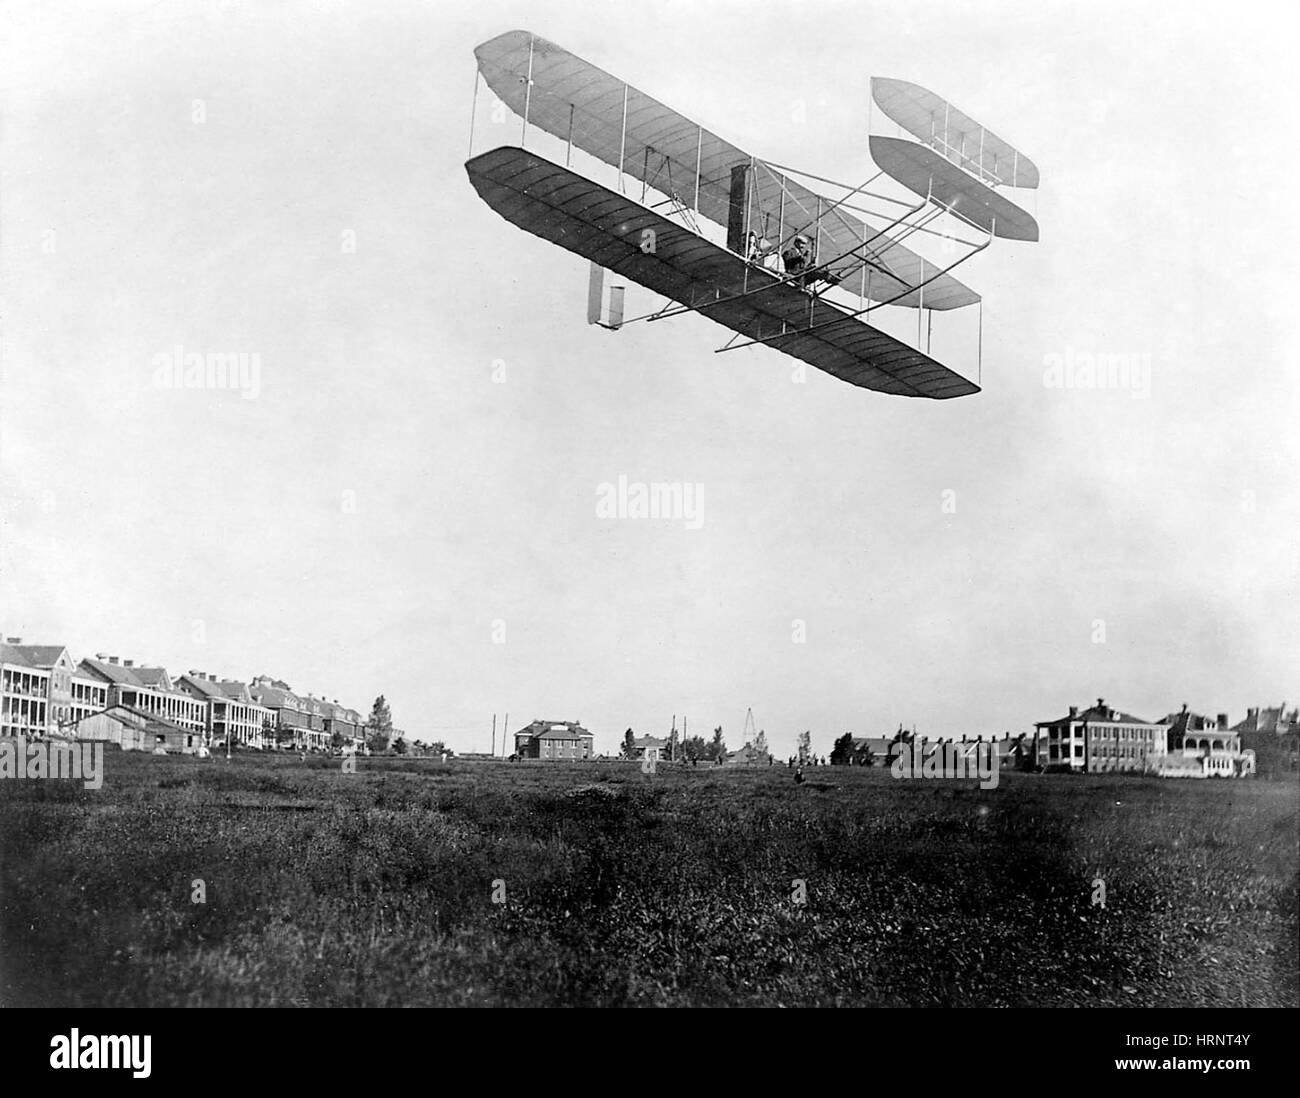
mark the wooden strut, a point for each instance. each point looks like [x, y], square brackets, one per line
[528, 94]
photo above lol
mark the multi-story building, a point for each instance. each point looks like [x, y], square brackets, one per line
[24, 694]
[1201, 747]
[89, 697]
[276, 696]
[1274, 736]
[148, 690]
[313, 714]
[1102, 740]
[339, 720]
[233, 715]
[554, 740]
[55, 659]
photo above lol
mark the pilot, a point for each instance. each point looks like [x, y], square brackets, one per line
[799, 258]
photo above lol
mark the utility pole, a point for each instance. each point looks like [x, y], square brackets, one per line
[494, 734]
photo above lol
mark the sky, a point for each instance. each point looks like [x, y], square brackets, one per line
[401, 497]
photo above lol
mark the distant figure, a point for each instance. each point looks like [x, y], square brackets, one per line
[798, 776]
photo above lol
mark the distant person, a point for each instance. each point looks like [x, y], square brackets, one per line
[798, 776]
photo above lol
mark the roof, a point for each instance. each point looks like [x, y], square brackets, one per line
[152, 676]
[563, 734]
[554, 730]
[11, 654]
[274, 697]
[236, 691]
[113, 672]
[574, 100]
[1096, 714]
[150, 721]
[205, 687]
[41, 655]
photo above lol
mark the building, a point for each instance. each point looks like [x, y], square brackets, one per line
[24, 694]
[749, 755]
[1199, 747]
[656, 748]
[147, 689]
[339, 720]
[286, 710]
[1274, 736]
[119, 726]
[554, 740]
[1103, 740]
[232, 712]
[54, 659]
[313, 722]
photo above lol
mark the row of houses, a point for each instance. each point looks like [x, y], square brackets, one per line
[1101, 739]
[45, 692]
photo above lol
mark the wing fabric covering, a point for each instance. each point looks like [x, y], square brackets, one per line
[609, 229]
[924, 172]
[572, 99]
[953, 133]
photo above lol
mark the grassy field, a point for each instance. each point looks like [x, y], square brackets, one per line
[377, 888]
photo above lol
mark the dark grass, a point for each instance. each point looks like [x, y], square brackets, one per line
[375, 888]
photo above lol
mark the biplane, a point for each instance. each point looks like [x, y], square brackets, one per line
[742, 241]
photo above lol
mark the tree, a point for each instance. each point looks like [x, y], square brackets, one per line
[439, 748]
[693, 748]
[399, 745]
[842, 752]
[718, 748]
[629, 744]
[379, 728]
[805, 747]
[760, 743]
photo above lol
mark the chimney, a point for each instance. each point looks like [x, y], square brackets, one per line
[128, 663]
[112, 660]
[1074, 710]
[1223, 722]
[1101, 703]
[13, 640]
[101, 656]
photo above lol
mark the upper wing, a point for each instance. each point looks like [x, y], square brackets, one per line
[574, 100]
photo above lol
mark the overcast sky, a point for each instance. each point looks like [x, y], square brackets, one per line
[403, 500]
